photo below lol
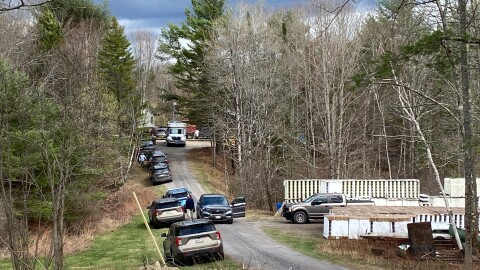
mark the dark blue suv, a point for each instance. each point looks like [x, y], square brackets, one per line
[179, 193]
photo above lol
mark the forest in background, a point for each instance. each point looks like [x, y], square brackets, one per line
[322, 90]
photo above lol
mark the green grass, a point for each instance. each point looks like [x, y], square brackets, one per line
[303, 244]
[308, 245]
[5, 264]
[126, 248]
[203, 177]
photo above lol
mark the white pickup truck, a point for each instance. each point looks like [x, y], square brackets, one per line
[317, 206]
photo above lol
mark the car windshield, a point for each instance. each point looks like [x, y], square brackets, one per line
[176, 131]
[201, 228]
[310, 199]
[215, 201]
[167, 205]
[179, 195]
[158, 154]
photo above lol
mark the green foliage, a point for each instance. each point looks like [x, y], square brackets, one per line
[433, 44]
[189, 66]
[75, 11]
[116, 68]
[50, 30]
[116, 62]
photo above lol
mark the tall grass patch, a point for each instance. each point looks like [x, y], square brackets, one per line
[355, 254]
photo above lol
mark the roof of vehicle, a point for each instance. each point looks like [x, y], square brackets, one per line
[158, 152]
[165, 200]
[213, 195]
[177, 190]
[159, 166]
[176, 124]
[187, 223]
[158, 158]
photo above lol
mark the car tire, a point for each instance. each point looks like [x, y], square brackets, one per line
[167, 256]
[176, 260]
[221, 255]
[300, 217]
[171, 257]
[198, 215]
[230, 221]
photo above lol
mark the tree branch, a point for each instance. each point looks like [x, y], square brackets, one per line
[443, 106]
[4, 7]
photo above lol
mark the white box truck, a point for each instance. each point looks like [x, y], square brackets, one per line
[177, 133]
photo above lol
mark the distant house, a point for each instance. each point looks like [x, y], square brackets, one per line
[147, 119]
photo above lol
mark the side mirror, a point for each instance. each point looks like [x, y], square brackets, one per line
[316, 203]
[163, 235]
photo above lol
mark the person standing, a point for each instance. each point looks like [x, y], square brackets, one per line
[142, 158]
[190, 206]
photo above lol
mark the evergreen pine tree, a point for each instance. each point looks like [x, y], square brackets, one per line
[116, 62]
[189, 66]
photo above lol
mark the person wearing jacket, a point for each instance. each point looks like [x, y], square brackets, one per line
[190, 206]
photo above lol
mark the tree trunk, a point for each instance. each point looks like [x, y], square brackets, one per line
[468, 143]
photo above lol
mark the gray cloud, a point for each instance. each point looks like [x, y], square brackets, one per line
[154, 15]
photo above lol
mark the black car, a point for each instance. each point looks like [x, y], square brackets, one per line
[159, 160]
[147, 148]
[160, 174]
[157, 157]
[165, 211]
[216, 207]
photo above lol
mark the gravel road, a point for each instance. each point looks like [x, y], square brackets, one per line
[244, 240]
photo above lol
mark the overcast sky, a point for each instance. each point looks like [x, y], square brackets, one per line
[154, 15]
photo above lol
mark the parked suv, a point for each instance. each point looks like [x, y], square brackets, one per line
[164, 211]
[193, 238]
[216, 207]
[158, 157]
[160, 174]
[161, 133]
[179, 193]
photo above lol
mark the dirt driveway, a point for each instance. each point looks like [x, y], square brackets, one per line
[244, 240]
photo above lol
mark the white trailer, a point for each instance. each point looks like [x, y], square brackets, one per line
[177, 133]
[400, 192]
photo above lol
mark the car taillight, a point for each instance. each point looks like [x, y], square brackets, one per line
[178, 241]
[157, 212]
[219, 237]
[180, 209]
